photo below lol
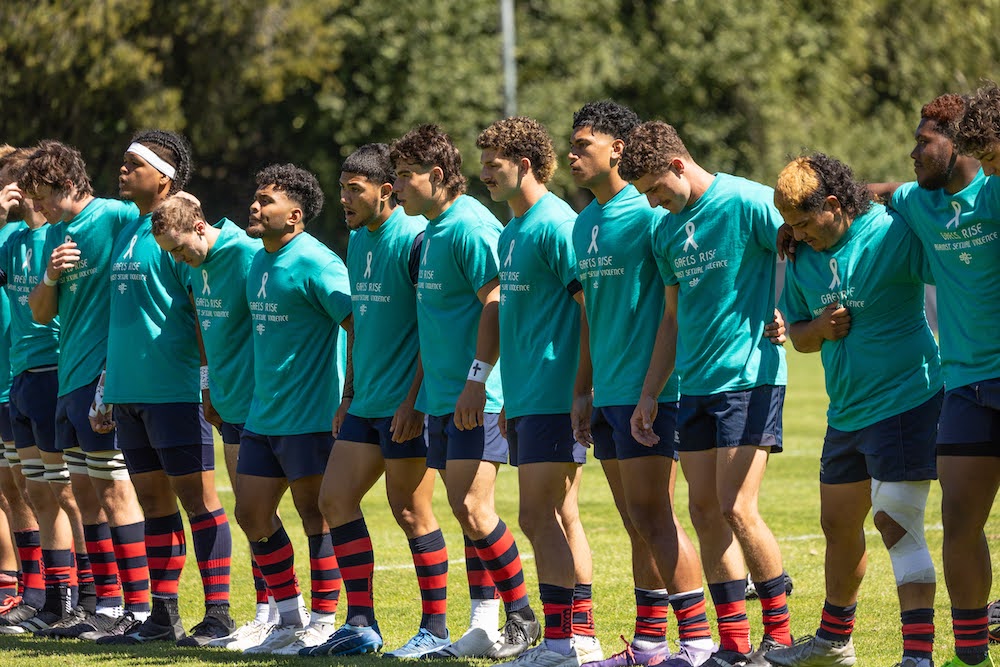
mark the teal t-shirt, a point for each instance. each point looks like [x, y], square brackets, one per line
[962, 240]
[152, 345]
[459, 256]
[384, 304]
[84, 297]
[219, 287]
[6, 376]
[721, 253]
[298, 297]
[539, 320]
[888, 362]
[623, 294]
[23, 259]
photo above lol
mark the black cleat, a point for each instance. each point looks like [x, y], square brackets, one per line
[517, 636]
[216, 624]
[164, 624]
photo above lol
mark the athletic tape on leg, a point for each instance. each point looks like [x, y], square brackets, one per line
[108, 465]
[76, 460]
[57, 472]
[904, 503]
[33, 470]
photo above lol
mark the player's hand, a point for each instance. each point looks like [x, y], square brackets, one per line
[775, 330]
[407, 423]
[502, 422]
[63, 258]
[786, 243]
[340, 415]
[10, 196]
[834, 322]
[470, 406]
[211, 416]
[642, 421]
[102, 419]
[580, 413]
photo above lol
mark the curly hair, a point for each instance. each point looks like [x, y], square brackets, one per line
[522, 137]
[371, 161]
[649, 149]
[298, 185]
[13, 163]
[53, 164]
[979, 129]
[947, 112]
[429, 146]
[176, 214]
[608, 117]
[173, 148]
[806, 182]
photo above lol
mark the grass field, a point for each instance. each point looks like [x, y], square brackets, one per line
[790, 503]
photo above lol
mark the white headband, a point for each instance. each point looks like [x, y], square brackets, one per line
[154, 160]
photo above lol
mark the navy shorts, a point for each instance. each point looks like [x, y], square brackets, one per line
[33, 409]
[73, 422]
[612, 431]
[174, 461]
[446, 443]
[731, 419]
[545, 439]
[231, 433]
[284, 456]
[6, 430]
[897, 449]
[173, 437]
[970, 420]
[375, 431]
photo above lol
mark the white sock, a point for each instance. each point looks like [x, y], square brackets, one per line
[263, 614]
[272, 606]
[485, 614]
[703, 644]
[293, 611]
[111, 612]
[317, 617]
[562, 646]
[140, 615]
[644, 644]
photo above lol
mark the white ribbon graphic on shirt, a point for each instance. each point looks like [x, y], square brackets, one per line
[957, 207]
[427, 245]
[690, 242]
[205, 289]
[262, 292]
[26, 264]
[68, 239]
[368, 267]
[592, 248]
[835, 283]
[510, 252]
[131, 247]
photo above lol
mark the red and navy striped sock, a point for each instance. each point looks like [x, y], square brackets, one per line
[101, 552]
[86, 593]
[59, 575]
[259, 585]
[583, 610]
[774, 604]
[29, 550]
[276, 560]
[213, 547]
[918, 633]
[352, 546]
[557, 606]
[651, 610]
[166, 549]
[430, 560]
[9, 582]
[480, 582]
[729, 599]
[692, 617]
[837, 623]
[971, 634]
[326, 580]
[499, 555]
[133, 568]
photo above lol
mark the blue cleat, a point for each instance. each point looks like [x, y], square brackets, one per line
[348, 640]
[420, 644]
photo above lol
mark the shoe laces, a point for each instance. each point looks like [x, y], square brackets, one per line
[628, 654]
[210, 621]
[423, 639]
[514, 631]
[9, 603]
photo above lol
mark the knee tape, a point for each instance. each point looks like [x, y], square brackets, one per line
[33, 470]
[76, 461]
[108, 465]
[10, 455]
[904, 503]
[57, 472]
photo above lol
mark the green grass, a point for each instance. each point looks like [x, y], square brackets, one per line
[789, 500]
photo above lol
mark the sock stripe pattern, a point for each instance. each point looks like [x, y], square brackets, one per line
[500, 557]
[837, 623]
[325, 575]
[213, 548]
[651, 611]
[29, 550]
[276, 560]
[430, 561]
[918, 633]
[166, 549]
[480, 582]
[133, 568]
[84, 588]
[692, 617]
[8, 583]
[58, 571]
[729, 599]
[557, 607]
[259, 585]
[352, 545]
[971, 634]
[583, 610]
[774, 604]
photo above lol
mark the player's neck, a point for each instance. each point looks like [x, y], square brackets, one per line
[700, 181]
[276, 243]
[527, 196]
[440, 206]
[211, 236]
[383, 215]
[606, 189]
[964, 172]
[79, 205]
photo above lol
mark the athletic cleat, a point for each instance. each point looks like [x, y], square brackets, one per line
[517, 636]
[635, 656]
[993, 621]
[757, 658]
[348, 640]
[105, 626]
[216, 624]
[910, 661]
[542, 656]
[73, 619]
[9, 603]
[314, 634]
[247, 635]
[278, 637]
[588, 649]
[163, 625]
[475, 643]
[957, 662]
[43, 620]
[14, 616]
[813, 651]
[420, 644]
[686, 656]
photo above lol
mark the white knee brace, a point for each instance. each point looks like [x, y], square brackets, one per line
[904, 503]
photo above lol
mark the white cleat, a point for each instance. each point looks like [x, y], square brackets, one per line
[278, 637]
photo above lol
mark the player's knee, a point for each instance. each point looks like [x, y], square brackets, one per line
[704, 514]
[903, 504]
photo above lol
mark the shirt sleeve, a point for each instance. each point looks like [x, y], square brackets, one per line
[477, 255]
[561, 256]
[765, 220]
[660, 240]
[793, 301]
[332, 290]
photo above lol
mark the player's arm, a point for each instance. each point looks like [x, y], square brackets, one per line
[211, 416]
[661, 365]
[44, 298]
[583, 386]
[408, 422]
[883, 191]
[472, 401]
[833, 323]
[348, 394]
